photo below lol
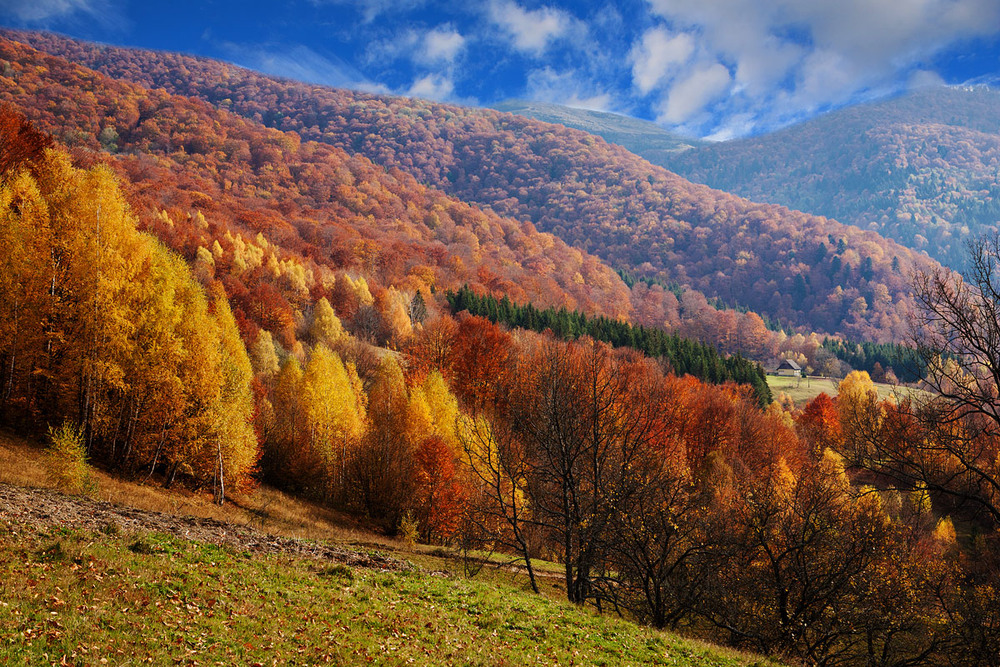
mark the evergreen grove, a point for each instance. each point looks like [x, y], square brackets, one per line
[685, 356]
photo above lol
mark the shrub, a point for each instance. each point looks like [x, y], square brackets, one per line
[409, 528]
[66, 459]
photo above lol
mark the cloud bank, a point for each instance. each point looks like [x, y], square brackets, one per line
[787, 59]
[709, 68]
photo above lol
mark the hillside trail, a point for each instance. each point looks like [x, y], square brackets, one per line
[45, 508]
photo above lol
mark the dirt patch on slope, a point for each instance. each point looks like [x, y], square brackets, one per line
[44, 507]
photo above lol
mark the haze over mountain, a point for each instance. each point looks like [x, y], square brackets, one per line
[641, 137]
[804, 270]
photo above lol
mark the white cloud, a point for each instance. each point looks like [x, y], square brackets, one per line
[569, 88]
[531, 31]
[432, 87]
[302, 64]
[924, 79]
[792, 57]
[692, 94]
[441, 45]
[658, 56]
[373, 9]
[735, 126]
[45, 12]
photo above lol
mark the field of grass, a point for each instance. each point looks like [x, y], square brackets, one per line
[803, 390]
[69, 596]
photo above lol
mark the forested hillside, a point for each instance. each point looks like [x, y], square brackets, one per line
[803, 270]
[220, 179]
[317, 206]
[921, 169]
[189, 297]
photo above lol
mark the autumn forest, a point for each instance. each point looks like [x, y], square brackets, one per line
[504, 336]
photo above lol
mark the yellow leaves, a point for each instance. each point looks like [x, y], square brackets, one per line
[443, 407]
[334, 412]
[944, 532]
[247, 255]
[233, 432]
[264, 355]
[779, 410]
[141, 355]
[392, 306]
[25, 262]
[831, 466]
[871, 501]
[204, 265]
[784, 481]
[287, 387]
[326, 327]
[418, 414]
[272, 266]
[296, 276]
[477, 439]
[855, 388]
[360, 289]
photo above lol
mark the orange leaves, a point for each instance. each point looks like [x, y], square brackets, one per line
[20, 143]
[819, 424]
[480, 360]
[439, 494]
[430, 346]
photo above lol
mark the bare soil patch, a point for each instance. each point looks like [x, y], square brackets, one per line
[47, 508]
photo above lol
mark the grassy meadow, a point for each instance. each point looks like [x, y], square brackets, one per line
[70, 596]
[803, 390]
[77, 598]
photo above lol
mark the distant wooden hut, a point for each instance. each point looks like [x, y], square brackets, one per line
[788, 368]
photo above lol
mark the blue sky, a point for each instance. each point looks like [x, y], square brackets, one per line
[707, 68]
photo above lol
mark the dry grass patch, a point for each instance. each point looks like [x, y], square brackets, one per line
[22, 463]
[803, 390]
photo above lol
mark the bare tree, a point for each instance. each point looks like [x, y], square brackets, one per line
[948, 442]
[586, 417]
[659, 540]
[500, 512]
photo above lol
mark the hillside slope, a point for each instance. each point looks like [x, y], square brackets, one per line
[921, 169]
[645, 139]
[202, 176]
[85, 582]
[803, 270]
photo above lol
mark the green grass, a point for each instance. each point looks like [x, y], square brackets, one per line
[71, 597]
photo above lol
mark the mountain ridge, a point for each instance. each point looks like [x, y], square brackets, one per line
[641, 137]
[597, 196]
[920, 168]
